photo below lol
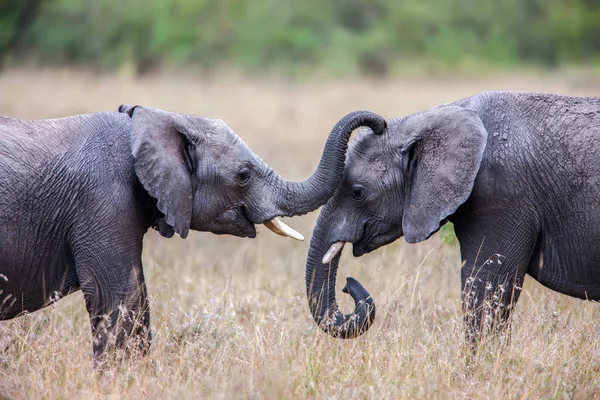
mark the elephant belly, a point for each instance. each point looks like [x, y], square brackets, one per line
[27, 289]
[589, 291]
[574, 273]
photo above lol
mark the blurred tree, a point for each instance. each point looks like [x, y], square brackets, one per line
[15, 18]
[343, 36]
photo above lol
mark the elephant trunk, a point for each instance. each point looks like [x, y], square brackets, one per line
[299, 198]
[320, 289]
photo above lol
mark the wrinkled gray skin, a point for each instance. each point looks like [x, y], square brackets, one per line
[517, 173]
[78, 194]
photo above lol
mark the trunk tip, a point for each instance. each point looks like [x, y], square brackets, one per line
[355, 289]
[364, 307]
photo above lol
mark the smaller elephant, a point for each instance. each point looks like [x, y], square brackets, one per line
[518, 174]
[78, 194]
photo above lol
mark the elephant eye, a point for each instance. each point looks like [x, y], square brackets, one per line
[243, 175]
[358, 192]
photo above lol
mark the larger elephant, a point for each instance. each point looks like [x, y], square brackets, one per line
[518, 174]
[78, 194]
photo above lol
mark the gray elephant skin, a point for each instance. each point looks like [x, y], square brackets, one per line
[77, 195]
[518, 174]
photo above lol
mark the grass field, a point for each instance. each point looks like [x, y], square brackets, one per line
[229, 315]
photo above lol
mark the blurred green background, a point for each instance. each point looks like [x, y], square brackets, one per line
[370, 37]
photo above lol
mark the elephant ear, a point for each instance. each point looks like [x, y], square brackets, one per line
[444, 155]
[158, 143]
[126, 109]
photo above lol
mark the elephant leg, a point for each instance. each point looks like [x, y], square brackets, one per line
[489, 293]
[117, 302]
[495, 261]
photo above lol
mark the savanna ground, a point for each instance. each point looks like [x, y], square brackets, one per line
[229, 315]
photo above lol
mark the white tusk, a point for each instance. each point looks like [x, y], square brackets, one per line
[333, 251]
[277, 226]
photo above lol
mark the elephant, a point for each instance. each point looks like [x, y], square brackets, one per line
[518, 174]
[77, 195]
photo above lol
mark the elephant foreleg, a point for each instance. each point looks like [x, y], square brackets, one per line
[117, 302]
[495, 259]
[488, 297]
[125, 327]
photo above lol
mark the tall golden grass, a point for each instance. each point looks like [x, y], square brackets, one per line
[229, 315]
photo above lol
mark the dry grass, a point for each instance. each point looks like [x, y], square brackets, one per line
[230, 315]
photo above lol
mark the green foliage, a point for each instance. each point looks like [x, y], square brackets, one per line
[365, 36]
[447, 234]
[16, 17]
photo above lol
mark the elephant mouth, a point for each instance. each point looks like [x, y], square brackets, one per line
[365, 244]
[233, 221]
[249, 231]
[275, 225]
[372, 243]
[246, 226]
[363, 247]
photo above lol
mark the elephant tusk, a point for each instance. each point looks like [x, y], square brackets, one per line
[277, 226]
[333, 251]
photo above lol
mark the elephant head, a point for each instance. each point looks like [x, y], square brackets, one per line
[204, 177]
[403, 183]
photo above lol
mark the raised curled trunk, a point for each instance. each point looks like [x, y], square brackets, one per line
[299, 198]
[320, 289]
